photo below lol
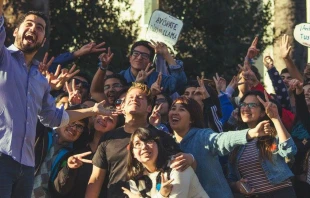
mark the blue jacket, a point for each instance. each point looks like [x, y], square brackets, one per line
[276, 171]
[205, 145]
[171, 83]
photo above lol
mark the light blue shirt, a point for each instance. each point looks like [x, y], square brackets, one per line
[24, 97]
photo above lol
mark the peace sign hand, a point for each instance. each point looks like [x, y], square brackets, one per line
[57, 80]
[271, 109]
[155, 88]
[202, 89]
[143, 74]
[155, 118]
[44, 65]
[75, 96]
[166, 186]
[220, 83]
[76, 161]
[106, 58]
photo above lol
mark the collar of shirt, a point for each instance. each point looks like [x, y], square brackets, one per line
[14, 49]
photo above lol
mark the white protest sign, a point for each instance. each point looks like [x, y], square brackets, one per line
[164, 28]
[302, 34]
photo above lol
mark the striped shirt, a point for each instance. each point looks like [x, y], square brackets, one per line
[250, 168]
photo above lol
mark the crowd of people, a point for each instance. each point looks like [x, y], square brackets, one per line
[147, 131]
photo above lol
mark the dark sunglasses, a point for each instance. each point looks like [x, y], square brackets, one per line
[160, 101]
[83, 83]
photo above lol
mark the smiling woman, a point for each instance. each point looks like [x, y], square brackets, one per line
[150, 174]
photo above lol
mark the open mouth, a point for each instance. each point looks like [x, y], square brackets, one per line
[30, 38]
[174, 120]
[71, 133]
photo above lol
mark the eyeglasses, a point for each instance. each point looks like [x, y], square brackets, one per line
[160, 101]
[114, 86]
[83, 83]
[251, 105]
[140, 144]
[78, 127]
[118, 102]
[136, 54]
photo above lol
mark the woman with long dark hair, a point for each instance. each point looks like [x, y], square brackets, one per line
[258, 168]
[186, 121]
[149, 172]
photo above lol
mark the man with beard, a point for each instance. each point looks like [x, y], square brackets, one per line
[112, 84]
[24, 96]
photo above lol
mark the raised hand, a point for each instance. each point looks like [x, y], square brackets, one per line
[143, 74]
[296, 85]
[235, 82]
[156, 88]
[165, 186]
[159, 47]
[202, 89]
[268, 62]
[57, 80]
[105, 58]
[220, 83]
[253, 51]
[155, 118]
[76, 161]
[44, 65]
[89, 49]
[285, 48]
[130, 194]
[74, 94]
[271, 109]
[99, 109]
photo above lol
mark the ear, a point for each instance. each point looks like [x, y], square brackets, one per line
[149, 108]
[15, 32]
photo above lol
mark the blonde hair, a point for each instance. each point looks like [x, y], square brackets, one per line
[144, 89]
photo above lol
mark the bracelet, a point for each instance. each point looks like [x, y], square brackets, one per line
[102, 68]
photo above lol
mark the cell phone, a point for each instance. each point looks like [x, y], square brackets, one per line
[246, 187]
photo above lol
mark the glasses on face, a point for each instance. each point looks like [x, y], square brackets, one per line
[251, 105]
[136, 54]
[118, 102]
[83, 83]
[140, 144]
[160, 101]
[114, 86]
[78, 127]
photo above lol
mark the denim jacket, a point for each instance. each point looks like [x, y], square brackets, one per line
[276, 171]
[205, 145]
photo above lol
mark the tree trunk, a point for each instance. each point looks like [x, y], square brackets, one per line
[287, 14]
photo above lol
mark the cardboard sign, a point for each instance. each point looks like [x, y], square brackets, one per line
[164, 28]
[302, 34]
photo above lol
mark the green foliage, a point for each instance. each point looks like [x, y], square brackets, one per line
[76, 23]
[216, 33]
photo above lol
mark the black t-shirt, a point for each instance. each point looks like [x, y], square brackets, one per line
[111, 155]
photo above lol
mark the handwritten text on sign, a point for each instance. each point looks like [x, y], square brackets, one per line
[163, 27]
[302, 34]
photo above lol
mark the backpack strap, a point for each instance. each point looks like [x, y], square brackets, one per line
[56, 163]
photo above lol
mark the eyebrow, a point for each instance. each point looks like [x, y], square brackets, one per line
[40, 24]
